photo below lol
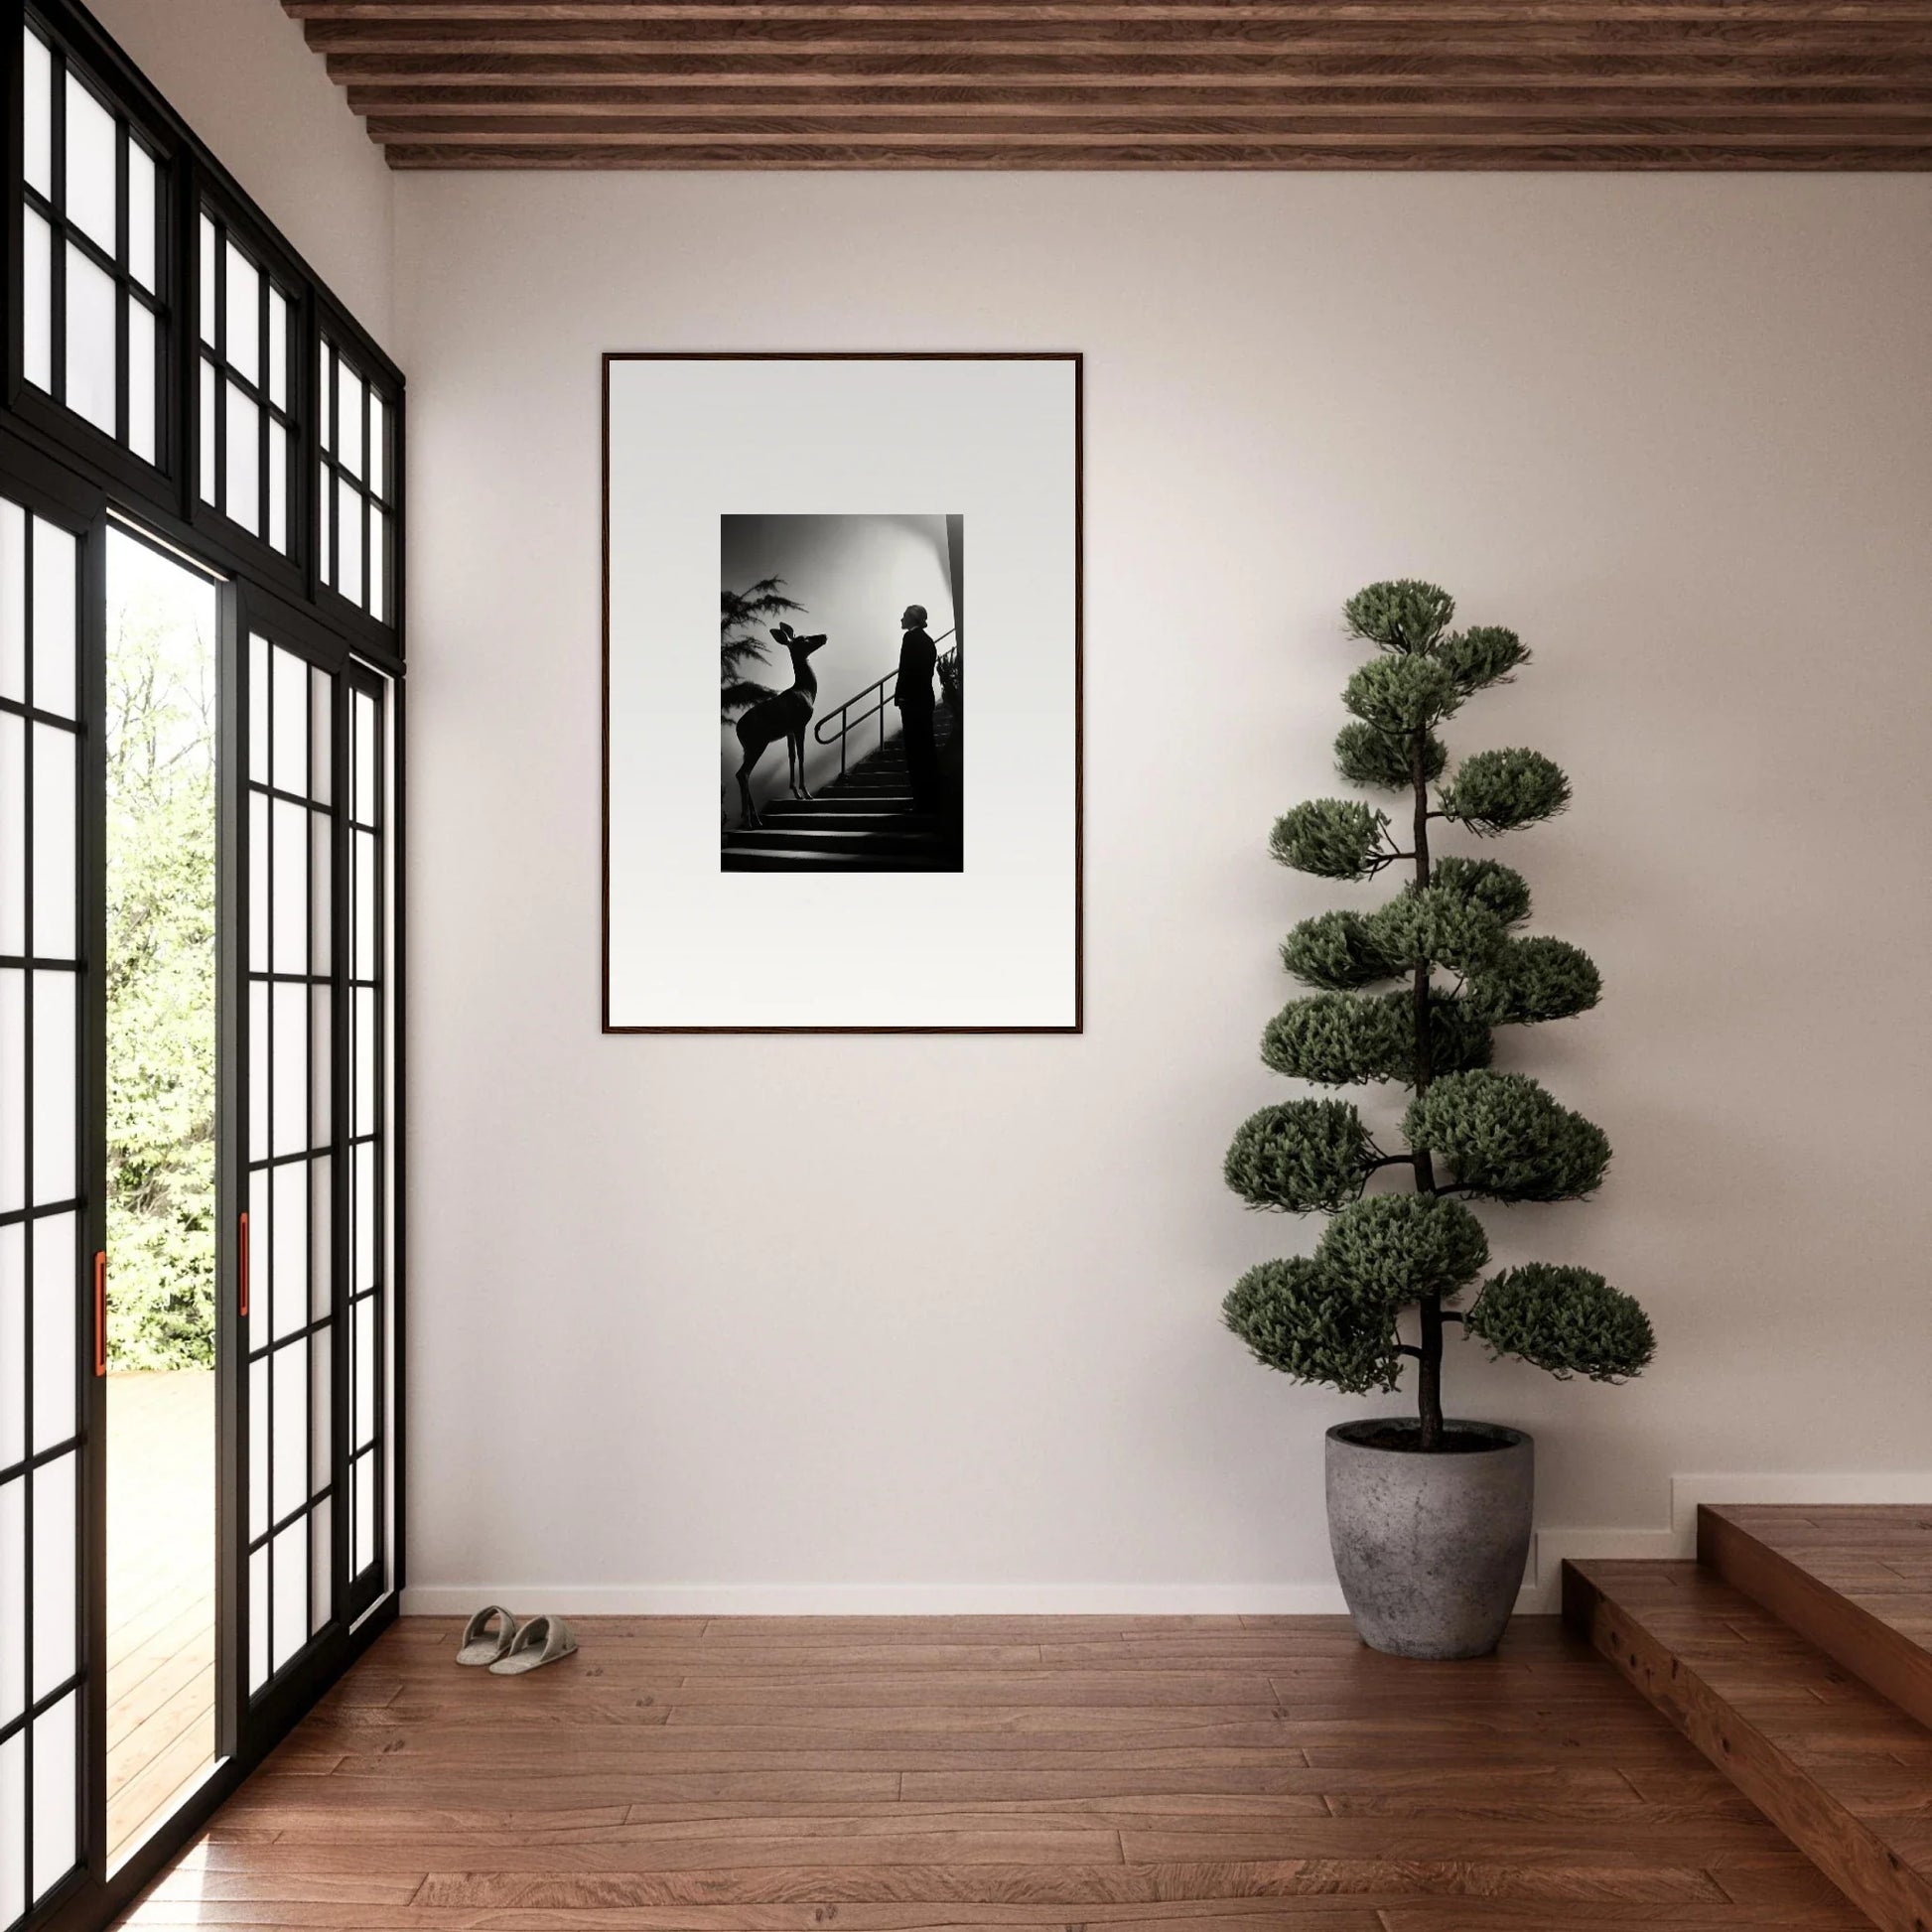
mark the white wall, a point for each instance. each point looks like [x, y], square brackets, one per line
[934, 1321]
[242, 77]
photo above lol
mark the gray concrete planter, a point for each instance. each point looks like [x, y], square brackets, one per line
[1430, 1549]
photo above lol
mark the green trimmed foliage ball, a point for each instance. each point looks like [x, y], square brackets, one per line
[1501, 791]
[1483, 655]
[1313, 1329]
[1367, 757]
[1334, 950]
[1566, 1320]
[1403, 614]
[1485, 883]
[1432, 925]
[1507, 1138]
[1304, 1155]
[1531, 980]
[1393, 1249]
[1401, 694]
[1339, 1041]
[1334, 838]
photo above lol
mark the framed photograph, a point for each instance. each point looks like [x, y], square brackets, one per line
[870, 821]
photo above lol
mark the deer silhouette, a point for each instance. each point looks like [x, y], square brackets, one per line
[784, 713]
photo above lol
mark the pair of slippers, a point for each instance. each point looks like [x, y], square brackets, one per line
[493, 1638]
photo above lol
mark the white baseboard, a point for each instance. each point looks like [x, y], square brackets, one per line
[1677, 1538]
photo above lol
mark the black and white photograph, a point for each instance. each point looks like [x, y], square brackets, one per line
[840, 693]
[815, 837]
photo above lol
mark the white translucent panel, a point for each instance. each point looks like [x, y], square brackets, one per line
[56, 1356]
[55, 556]
[55, 1740]
[13, 1357]
[348, 422]
[92, 142]
[13, 1089]
[209, 457]
[142, 184]
[364, 759]
[140, 421]
[321, 1561]
[13, 1814]
[365, 1205]
[326, 417]
[259, 1070]
[56, 804]
[13, 602]
[259, 1424]
[37, 128]
[258, 692]
[326, 524]
[364, 954]
[320, 888]
[291, 764]
[321, 1209]
[321, 711]
[243, 480]
[13, 834]
[322, 1072]
[208, 255]
[259, 901]
[288, 873]
[378, 444]
[363, 1380]
[290, 1591]
[90, 343]
[261, 1256]
[290, 1452]
[365, 1486]
[291, 1270]
[13, 1598]
[349, 540]
[278, 487]
[56, 1503]
[368, 1040]
[290, 1081]
[258, 1618]
[37, 301]
[54, 1081]
[243, 309]
[379, 566]
[278, 347]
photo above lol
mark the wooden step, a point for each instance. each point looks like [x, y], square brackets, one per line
[838, 862]
[1855, 1579]
[1846, 1775]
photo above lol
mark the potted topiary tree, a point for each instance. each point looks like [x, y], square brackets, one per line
[1428, 1518]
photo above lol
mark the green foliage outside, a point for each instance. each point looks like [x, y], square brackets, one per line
[160, 984]
[1378, 1013]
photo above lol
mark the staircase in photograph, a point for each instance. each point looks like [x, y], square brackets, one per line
[861, 821]
[1796, 1654]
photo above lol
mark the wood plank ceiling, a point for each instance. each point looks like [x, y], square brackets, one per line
[1136, 83]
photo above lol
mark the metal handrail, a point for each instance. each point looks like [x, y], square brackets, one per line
[847, 726]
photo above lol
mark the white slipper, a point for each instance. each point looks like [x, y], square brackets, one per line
[480, 1644]
[540, 1641]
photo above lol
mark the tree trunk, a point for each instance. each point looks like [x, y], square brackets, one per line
[1429, 1378]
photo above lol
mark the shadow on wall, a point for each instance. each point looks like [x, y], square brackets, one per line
[854, 575]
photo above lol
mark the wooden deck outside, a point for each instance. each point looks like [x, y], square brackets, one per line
[160, 1595]
[885, 1774]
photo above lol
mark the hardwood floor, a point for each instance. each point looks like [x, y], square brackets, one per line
[884, 1774]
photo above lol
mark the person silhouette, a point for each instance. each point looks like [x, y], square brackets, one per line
[918, 657]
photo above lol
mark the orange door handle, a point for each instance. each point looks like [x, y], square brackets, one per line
[100, 1315]
[243, 1266]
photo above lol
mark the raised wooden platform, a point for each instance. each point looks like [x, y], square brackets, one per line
[1791, 1654]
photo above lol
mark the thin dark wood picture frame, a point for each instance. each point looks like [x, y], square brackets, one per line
[1073, 358]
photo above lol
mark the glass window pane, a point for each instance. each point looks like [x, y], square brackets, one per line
[13, 842]
[209, 457]
[13, 604]
[13, 1795]
[209, 256]
[289, 881]
[278, 487]
[378, 444]
[92, 138]
[37, 296]
[291, 1269]
[322, 1286]
[365, 1073]
[364, 759]
[363, 1275]
[57, 1359]
[13, 1097]
[13, 1376]
[378, 560]
[54, 1565]
[38, 123]
[365, 958]
[55, 561]
[141, 428]
[320, 1552]
[53, 1084]
[326, 519]
[258, 1618]
[349, 540]
[291, 1103]
[141, 214]
[290, 1591]
[321, 710]
[291, 1448]
[278, 348]
[348, 421]
[54, 1743]
[90, 341]
[243, 346]
[258, 690]
[262, 1265]
[55, 886]
[259, 904]
[364, 1379]
[244, 502]
[291, 764]
[258, 1071]
[258, 1425]
[364, 1552]
[321, 887]
[12, 1599]
[326, 412]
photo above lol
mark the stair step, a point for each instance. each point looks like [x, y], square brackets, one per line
[1856, 1581]
[838, 862]
[841, 815]
[1841, 1771]
[844, 836]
